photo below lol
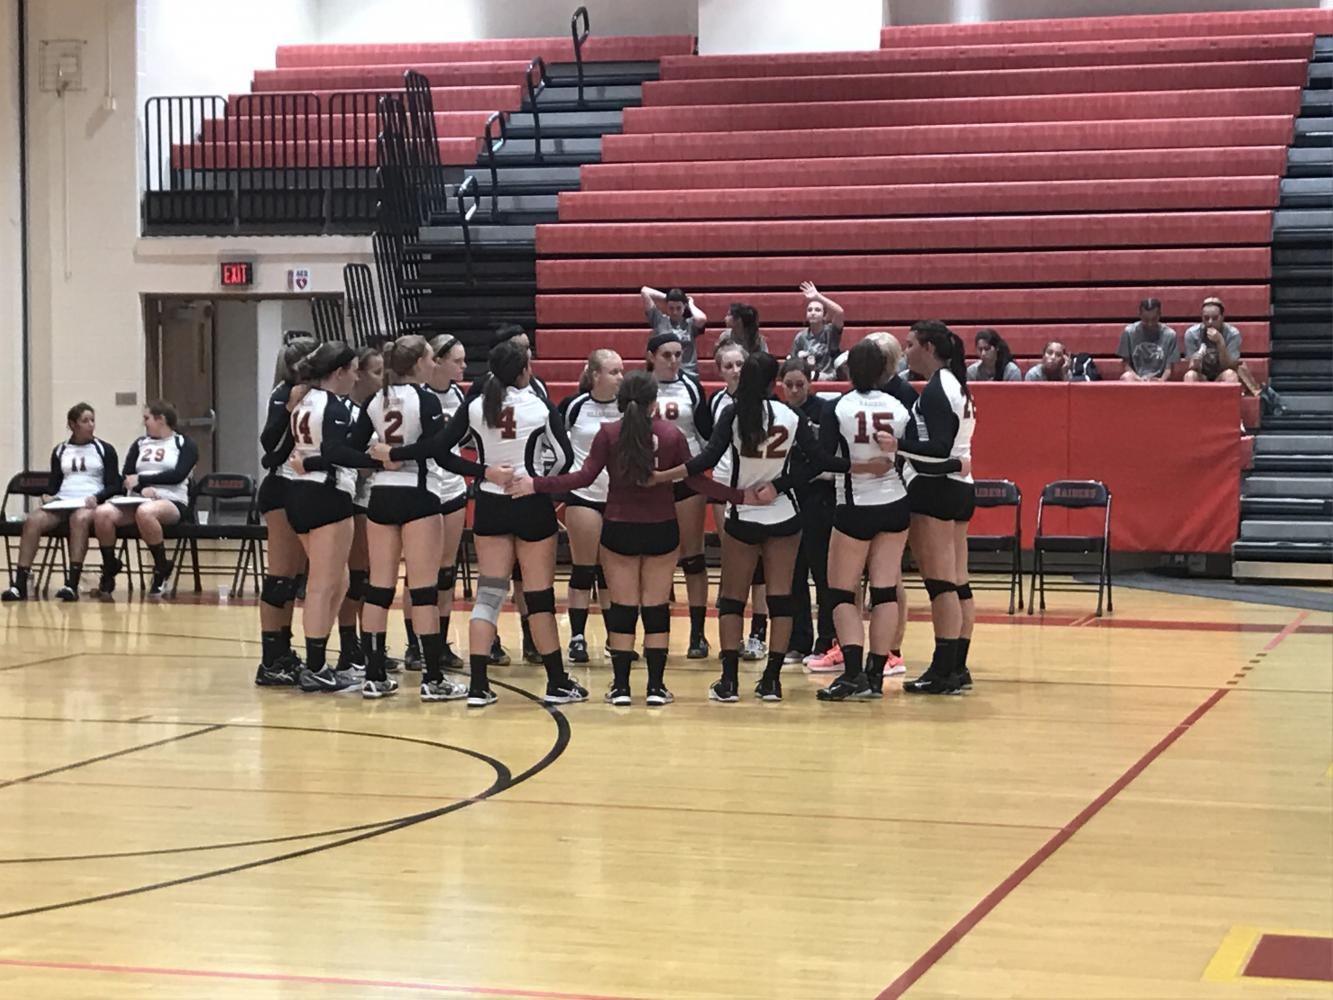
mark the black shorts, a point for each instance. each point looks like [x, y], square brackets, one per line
[529, 519]
[313, 505]
[864, 523]
[574, 500]
[631, 538]
[942, 498]
[681, 491]
[454, 504]
[272, 493]
[753, 533]
[397, 505]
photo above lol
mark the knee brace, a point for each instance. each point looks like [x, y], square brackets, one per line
[693, 564]
[278, 591]
[540, 602]
[965, 591]
[621, 618]
[582, 577]
[730, 606]
[379, 597]
[491, 593]
[425, 597]
[938, 588]
[836, 597]
[780, 606]
[883, 595]
[357, 582]
[656, 619]
[445, 579]
[757, 580]
[517, 574]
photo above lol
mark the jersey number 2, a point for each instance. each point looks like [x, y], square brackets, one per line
[775, 446]
[393, 423]
[879, 421]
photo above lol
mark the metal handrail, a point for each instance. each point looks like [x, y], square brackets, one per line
[534, 90]
[469, 186]
[578, 42]
[494, 143]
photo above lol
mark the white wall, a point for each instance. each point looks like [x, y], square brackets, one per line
[728, 26]
[947, 11]
[236, 377]
[11, 285]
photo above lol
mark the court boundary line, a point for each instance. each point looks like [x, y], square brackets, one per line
[910, 976]
[208, 728]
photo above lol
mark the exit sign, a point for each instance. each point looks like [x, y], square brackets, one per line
[237, 273]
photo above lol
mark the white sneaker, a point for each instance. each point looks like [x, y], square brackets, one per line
[793, 656]
[754, 649]
[379, 689]
[442, 690]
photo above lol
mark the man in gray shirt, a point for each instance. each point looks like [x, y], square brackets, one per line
[1213, 346]
[681, 317]
[1148, 348]
[1053, 367]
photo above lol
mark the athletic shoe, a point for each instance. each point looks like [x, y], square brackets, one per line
[793, 656]
[875, 681]
[565, 692]
[393, 665]
[530, 654]
[829, 663]
[445, 690]
[349, 677]
[481, 698]
[933, 683]
[13, 594]
[379, 689]
[67, 594]
[754, 649]
[278, 675]
[499, 658]
[768, 689]
[414, 659]
[578, 649]
[290, 661]
[698, 648]
[618, 696]
[658, 696]
[723, 690]
[106, 584]
[964, 678]
[845, 687]
[161, 577]
[451, 660]
[894, 666]
[351, 657]
[323, 679]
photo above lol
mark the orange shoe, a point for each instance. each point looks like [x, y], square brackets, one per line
[829, 663]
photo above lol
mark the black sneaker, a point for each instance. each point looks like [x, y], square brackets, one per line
[161, 577]
[698, 648]
[723, 690]
[277, 675]
[106, 583]
[933, 683]
[618, 696]
[323, 679]
[13, 594]
[291, 662]
[414, 659]
[393, 665]
[658, 695]
[351, 656]
[844, 687]
[450, 660]
[67, 594]
[964, 678]
[480, 697]
[875, 681]
[578, 650]
[530, 654]
[379, 689]
[565, 692]
[499, 658]
[768, 689]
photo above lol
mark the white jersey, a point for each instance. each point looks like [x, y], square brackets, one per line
[318, 416]
[943, 421]
[763, 465]
[528, 422]
[445, 484]
[362, 497]
[399, 416]
[858, 417]
[79, 471]
[717, 405]
[682, 403]
[584, 417]
[164, 464]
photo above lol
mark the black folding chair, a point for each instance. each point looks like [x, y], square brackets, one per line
[217, 494]
[1073, 494]
[32, 485]
[1001, 493]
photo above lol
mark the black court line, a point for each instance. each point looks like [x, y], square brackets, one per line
[38, 663]
[499, 785]
[112, 755]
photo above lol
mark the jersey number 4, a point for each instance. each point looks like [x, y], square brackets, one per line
[301, 428]
[774, 447]
[878, 421]
[508, 425]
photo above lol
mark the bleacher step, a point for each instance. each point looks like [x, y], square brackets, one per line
[1291, 552]
[1288, 485]
[1298, 463]
[1286, 531]
[1275, 572]
[1308, 402]
[1287, 508]
[1293, 444]
[521, 235]
[1308, 423]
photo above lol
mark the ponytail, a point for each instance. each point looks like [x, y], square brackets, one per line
[508, 362]
[948, 348]
[958, 364]
[635, 456]
[752, 391]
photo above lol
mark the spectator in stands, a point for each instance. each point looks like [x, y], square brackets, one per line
[742, 329]
[1212, 346]
[84, 473]
[995, 361]
[818, 344]
[1148, 348]
[1054, 364]
[682, 317]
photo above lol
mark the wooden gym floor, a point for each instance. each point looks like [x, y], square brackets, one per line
[1140, 806]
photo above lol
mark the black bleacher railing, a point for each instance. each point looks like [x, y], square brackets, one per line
[363, 313]
[537, 69]
[579, 39]
[327, 313]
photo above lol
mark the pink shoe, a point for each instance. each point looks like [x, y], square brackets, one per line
[894, 666]
[829, 663]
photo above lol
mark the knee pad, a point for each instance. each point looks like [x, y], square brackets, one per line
[278, 591]
[601, 578]
[582, 577]
[938, 588]
[425, 597]
[693, 564]
[883, 595]
[836, 597]
[380, 597]
[621, 618]
[965, 591]
[730, 606]
[491, 593]
[517, 574]
[780, 606]
[656, 619]
[446, 578]
[540, 602]
[757, 580]
[357, 582]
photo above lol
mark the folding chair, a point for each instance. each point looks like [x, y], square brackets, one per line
[32, 484]
[1073, 494]
[1002, 493]
[216, 491]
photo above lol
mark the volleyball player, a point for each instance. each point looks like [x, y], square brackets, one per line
[157, 470]
[639, 533]
[510, 423]
[279, 665]
[451, 488]
[84, 473]
[900, 389]
[680, 401]
[585, 412]
[369, 380]
[938, 448]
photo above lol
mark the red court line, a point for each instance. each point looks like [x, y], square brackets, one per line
[974, 916]
[278, 977]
